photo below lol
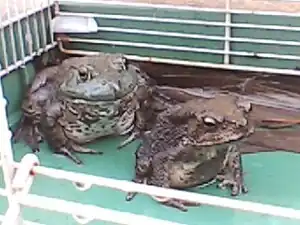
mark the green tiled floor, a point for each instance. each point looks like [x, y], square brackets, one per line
[271, 177]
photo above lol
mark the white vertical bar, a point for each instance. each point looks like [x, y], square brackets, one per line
[227, 33]
[42, 16]
[6, 148]
[50, 18]
[3, 43]
[28, 35]
[28, 38]
[6, 151]
[35, 25]
[12, 215]
[11, 31]
[20, 34]
[21, 185]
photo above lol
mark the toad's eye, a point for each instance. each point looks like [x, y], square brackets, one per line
[85, 76]
[209, 121]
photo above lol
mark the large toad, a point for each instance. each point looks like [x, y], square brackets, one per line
[79, 101]
[193, 143]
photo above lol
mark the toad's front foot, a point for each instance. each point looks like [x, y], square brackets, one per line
[232, 175]
[176, 203]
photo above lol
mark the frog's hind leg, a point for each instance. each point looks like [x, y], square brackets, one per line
[55, 135]
[29, 133]
[232, 174]
[160, 178]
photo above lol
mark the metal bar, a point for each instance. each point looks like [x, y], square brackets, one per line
[50, 4]
[20, 16]
[128, 186]
[90, 212]
[6, 148]
[11, 32]
[198, 36]
[190, 63]
[28, 40]
[21, 185]
[21, 39]
[227, 34]
[3, 44]
[42, 16]
[12, 215]
[28, 35]
[176, 7]
[25, 221]
[181, 21]
[26, 59]
[35, 26]
[183, 48]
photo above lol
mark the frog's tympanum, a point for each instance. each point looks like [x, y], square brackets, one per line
[192, 144]
[81, 100]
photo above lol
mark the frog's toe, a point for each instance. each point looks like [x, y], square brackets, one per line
[84, 150]
[238, 189]
[130, 196]
[69, 154]
[127, 141]
[189, 203]
[176, 203]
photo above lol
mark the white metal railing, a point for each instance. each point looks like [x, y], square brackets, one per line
[19, 176]
[89, 213]
[15, 13]
[227, 24]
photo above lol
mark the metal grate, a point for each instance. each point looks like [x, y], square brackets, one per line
[24, 32]
[272, 46]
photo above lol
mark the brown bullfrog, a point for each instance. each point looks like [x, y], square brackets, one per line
[81, 100]
[193, 143]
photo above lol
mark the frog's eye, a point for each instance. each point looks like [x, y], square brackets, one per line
[83, 76]
[209, 121]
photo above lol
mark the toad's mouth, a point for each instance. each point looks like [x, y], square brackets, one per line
[220, 136]
[91, 91]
